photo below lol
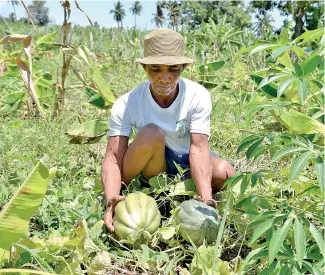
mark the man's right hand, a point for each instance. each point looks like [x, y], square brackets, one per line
[111, 204]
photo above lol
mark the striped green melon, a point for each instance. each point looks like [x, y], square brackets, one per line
[137, 211]
[197, 221]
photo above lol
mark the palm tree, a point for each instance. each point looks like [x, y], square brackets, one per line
[136, 9]
[14, 3]
[264, 23]
[158, 16]
[119, 13]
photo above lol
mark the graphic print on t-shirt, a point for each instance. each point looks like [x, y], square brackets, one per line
[182, 128]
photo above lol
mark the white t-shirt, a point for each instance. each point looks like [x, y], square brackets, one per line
[189, 113]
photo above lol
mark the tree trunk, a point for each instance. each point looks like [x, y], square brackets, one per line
[13, 6]
[299, 23]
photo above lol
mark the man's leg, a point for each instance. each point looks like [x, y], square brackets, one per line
[221, 171]
[145, 154]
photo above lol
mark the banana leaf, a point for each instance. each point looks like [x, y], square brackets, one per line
[15, 216]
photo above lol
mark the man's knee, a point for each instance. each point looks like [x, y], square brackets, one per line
[153, 134]
[223, 170]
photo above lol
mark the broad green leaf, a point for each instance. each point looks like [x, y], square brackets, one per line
[310, 64]
[96, 99]
[264, 48]
[299, 51]
[320, 173]
[288, 150]
[82, 54]
[300, 241]
[310, 35]
[260, 229]
[278, 238]
[214, 66]
[284, 85]
[167, 232]
[298, 122]
[279, 51]
[317, 237]
[302, 90]
[285, 60]
[299, 164]
[186, 187]
[102, 86]
[15, 216]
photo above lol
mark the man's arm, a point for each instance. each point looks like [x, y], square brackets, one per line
[112, 174]
[201, 165]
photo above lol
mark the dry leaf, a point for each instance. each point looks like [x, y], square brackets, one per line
[27, 78]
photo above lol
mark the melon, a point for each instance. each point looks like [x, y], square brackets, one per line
[198, 222]
[138, 211]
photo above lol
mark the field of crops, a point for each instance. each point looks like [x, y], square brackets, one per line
[57, 87]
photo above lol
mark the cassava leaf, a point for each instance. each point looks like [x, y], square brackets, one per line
[320, 173]
[300, 241]
[286, 151]
[298, 164]
[278, 238]
[260, 229]
[317, 237]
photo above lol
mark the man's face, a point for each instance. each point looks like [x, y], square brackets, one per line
[164, 78]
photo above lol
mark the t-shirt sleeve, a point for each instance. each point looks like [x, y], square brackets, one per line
[120, 123]
[200, 119]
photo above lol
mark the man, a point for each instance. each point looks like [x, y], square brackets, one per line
[172, 118]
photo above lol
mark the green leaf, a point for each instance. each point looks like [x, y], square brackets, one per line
[278, 238]
[253, 147]
[302, 90]
[260, 48]
[310, 35]
[247, 142]
[88, 132]
[102, 86]
[310, 64]
[250, 256]
[15, 216]
[299, 164]
[270, 89]
[284, 85]
[49, 38]
[300, 241]
[24, 271]
[12, 98]
[286, 151]
[298, 70]
[272, 78]
[317, 237]
[298, 122]
[244, 183]
[260, 229]
[186, 187]
[277, 52]
[320, 173]
[167, 232]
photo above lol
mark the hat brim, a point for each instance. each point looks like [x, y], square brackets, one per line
[164, 60]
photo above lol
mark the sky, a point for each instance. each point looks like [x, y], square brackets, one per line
[100, 11]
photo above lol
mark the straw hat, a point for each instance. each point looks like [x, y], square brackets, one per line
[164, 46]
